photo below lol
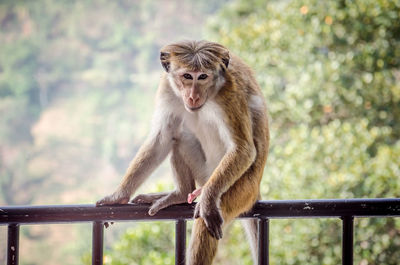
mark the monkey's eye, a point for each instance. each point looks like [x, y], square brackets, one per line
[202, 77]
[187, 76]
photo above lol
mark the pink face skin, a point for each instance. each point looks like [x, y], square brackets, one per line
[193, 87]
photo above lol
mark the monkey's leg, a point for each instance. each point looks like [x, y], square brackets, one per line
[193, 195]
[239, 198]
[184, 152]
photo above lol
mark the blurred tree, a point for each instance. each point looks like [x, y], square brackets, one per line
[153, 245]
[77, 81]
[74, 73]
[330, 71]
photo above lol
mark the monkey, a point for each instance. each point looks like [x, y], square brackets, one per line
[210, 115]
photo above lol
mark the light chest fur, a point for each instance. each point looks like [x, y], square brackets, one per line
[209, 127]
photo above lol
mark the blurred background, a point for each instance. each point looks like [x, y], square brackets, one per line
[77, 84]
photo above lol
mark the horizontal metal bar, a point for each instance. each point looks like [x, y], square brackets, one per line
[327, 208]
[88, 213]
[262, 209]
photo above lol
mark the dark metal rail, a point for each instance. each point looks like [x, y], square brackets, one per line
[347, 210]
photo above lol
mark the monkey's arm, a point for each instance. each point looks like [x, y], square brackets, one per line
[232, 166]
[149, 156]
[194, 194]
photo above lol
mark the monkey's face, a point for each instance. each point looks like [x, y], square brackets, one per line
[193, 87]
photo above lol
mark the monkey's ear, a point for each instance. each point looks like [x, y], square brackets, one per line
[164, 58]
[225, 59]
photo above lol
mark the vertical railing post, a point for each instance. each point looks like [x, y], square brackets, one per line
[13, 244]
[347, 240]
[263, 241]
[97, 243]
[180, 242]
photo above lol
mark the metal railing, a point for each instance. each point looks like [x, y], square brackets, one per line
[347, 210]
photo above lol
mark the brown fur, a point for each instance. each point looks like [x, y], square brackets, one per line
[196, 55]
[242, 195]
[233, 186]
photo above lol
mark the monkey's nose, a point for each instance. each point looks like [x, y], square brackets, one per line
[193, 99]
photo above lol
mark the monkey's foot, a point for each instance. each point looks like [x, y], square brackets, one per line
[160, 200]
[192, 196]
[149, 198]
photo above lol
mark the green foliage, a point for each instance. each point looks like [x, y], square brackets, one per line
[150, 243]
[315, 59]
[77, 80]
[330, 72]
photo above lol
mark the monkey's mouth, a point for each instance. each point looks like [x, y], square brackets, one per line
[195, 108]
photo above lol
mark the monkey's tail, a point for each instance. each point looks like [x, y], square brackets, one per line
[204, 247]
[251, 229]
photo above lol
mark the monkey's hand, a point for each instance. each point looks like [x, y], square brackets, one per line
[117, 197]
[208, 210]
